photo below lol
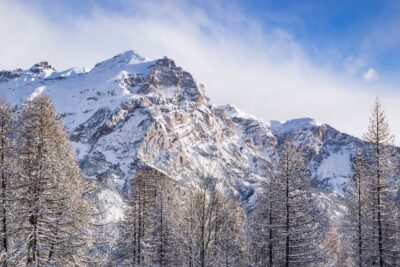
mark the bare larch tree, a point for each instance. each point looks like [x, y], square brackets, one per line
[52, 214]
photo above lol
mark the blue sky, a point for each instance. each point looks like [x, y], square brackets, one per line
[330, 32]
[274, 59]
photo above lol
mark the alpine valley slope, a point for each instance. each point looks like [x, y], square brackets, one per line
[128, 112]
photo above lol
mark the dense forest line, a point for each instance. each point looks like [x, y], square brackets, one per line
[48, 214]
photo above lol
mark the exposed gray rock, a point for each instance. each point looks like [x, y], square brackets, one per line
[128, 112]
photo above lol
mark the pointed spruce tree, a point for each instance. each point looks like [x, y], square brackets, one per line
[384, 225]
[358, 218]
[296, 225]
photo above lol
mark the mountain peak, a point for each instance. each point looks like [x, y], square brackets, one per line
[128, 110]
[290, 125]
[6, 75]
[166, 62]
[42, 67]
[126, 58]
[130, 55]
[307, 122]
[235, 112]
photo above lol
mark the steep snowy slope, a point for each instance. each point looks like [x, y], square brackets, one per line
[328, 151]
[129, 111]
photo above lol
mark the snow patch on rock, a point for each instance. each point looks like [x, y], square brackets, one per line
[38, 91]
[281, 127]
[336, 168]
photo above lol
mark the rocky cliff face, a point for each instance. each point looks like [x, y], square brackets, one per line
[128, 111]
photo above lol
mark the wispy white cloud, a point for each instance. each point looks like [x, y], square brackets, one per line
[371, 75]
[353, 65]
[263, 72]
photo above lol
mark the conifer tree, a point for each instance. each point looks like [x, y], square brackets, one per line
[335, 248]
[384, 225]
[7, 173]
[211, 225]
[260, 227]
[296, 216]
[358, 218]
[229, 236]
[52, 214]
[147, 233]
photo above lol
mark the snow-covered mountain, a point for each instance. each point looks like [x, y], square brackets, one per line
[128, 111]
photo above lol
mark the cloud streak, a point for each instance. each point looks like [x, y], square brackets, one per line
[264, 72]
[370, 75]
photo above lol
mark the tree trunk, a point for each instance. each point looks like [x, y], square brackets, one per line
[3, 196]
[359, 224]
[287, 215]
[380, 238]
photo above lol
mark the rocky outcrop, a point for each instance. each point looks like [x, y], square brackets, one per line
[129, 111]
